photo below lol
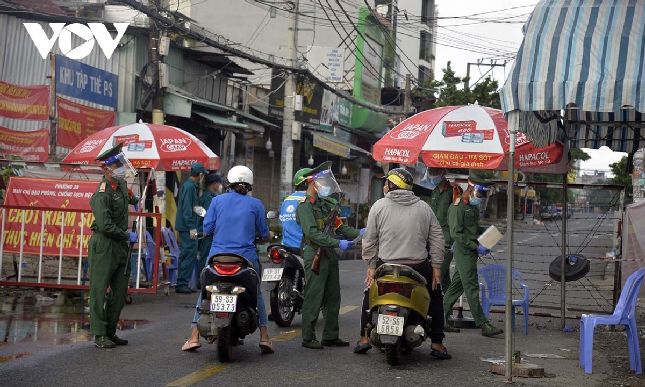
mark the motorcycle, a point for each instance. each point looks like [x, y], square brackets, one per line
[287, 296]
[398, 304]
[228, 311]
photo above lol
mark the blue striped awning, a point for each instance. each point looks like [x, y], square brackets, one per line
[584, 61]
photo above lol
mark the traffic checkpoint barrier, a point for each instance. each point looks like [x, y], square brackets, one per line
[48, 247]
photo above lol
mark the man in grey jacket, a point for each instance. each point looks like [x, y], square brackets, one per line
[400, 227]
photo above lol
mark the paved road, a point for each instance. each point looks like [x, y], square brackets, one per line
[153, 357]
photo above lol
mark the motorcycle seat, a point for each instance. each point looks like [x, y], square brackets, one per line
[397, 270]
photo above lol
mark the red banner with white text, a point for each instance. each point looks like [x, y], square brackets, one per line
[24, 102]
[48, 193]
[77, 122]
[28, 146]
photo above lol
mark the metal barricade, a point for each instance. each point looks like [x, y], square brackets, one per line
[48, 248]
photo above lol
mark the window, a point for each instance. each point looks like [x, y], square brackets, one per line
[425, 46]
[427, 12]
[424, 73]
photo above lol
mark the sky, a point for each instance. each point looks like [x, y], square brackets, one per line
[496, 40]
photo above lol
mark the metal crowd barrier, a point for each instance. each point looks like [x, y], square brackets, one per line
[65, 239]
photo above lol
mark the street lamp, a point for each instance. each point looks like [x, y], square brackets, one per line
[343, 170]
[268, 145]
[310, 162]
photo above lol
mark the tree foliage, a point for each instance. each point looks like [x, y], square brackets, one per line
[622, 177]
[451, 90]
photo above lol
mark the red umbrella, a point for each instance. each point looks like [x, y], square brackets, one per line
[470, 136]
[147, 146]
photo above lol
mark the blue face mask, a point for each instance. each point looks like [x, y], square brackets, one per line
[323, 192]
[475, 201]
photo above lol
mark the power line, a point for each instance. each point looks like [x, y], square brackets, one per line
[226, 47]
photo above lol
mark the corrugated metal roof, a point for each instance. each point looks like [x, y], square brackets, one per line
[21, 63]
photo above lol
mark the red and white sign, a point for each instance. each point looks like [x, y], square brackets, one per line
[48, 193]
[147, 146]
[77, 122]
[28, 146]
[472, 136]
[24, 102]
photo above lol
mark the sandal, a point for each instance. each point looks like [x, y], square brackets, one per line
[190, 345]
[441, 355]
[266, 347]
[362, 348]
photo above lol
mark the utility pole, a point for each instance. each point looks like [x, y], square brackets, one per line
[52, 106]
[467, 80]
[154, 65]
[288, 118]
[407, 98]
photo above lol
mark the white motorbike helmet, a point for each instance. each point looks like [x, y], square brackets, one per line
[240, 174]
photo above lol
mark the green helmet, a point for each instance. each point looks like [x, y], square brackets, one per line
[301, 176]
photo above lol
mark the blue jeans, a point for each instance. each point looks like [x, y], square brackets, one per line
[262, 311]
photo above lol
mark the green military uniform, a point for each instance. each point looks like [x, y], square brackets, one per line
[204, 244]
[108, 255]
[463, 220]
[440, 201]
[322, 290]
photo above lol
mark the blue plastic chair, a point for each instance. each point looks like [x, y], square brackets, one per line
[624, 314]
[173, 250]
[493, 292]
[147, 257]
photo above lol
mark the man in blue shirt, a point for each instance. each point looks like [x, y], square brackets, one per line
[234, 219]
[186, 224]
[291, 230]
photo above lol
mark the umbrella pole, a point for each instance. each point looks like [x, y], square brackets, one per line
[508, 337]
[563, 284]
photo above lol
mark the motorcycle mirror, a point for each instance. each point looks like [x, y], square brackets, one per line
[271, 215]
[199, 210]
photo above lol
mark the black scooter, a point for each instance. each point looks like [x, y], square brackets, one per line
[228, 311]
[288, 293]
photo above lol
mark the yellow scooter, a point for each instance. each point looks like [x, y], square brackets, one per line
[398, 302]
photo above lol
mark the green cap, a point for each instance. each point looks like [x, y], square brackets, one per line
[322, 167]
[301, 176]
[109, 156]
[197, 168]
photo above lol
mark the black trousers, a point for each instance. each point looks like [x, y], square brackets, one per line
[436, 303]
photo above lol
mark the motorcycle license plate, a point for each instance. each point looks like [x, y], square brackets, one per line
[390, 325]
[223, 303]
[269, 275]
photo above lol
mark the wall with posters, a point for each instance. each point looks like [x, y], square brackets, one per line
[127, 61]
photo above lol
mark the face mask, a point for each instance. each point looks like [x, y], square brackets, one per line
[323, 192]
[119, 172]
[475, 201]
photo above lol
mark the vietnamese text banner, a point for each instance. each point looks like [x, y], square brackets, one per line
[24, 102]
[77, 122]
[28, 146]
[52, 194]
[78, 80]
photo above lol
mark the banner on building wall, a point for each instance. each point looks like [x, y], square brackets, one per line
[28, 146]
[24, 102]
[78, 80]
[77, 122]
[307, 87]
[48, 193]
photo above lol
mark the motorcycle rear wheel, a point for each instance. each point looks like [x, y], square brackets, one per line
[393, 353]
[224, 344]
[282, 312]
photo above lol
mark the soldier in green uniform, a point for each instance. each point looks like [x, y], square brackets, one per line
[213, 185]
[322, 289]
[463, 219]
[109, 246]
[440, 201]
